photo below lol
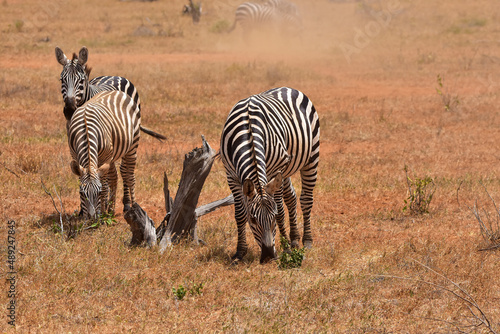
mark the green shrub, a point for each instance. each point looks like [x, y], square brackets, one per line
[290, 258]
[179, 293]
[421, 192]
[220, 26]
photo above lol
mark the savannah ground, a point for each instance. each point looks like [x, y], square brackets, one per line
[374, 83]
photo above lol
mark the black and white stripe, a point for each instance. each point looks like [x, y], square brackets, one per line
[76, 88]
[101, 132]
[266, 139]
[272, 16]
[284, 6]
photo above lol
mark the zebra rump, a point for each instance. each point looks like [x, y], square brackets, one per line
[271, 15]
[102, 131]
[267, 138]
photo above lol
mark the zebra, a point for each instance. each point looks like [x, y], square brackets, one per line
[251, 15]
[76, 88]
[102, 131]
[193, 10]
[284, 6]
[267, 138]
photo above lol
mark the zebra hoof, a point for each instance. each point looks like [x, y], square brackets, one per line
[126, 207]
[236, 258]
[295, 244]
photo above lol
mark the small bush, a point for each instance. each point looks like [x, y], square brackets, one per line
[290, 258]
[19, 24]
[450, 102]
[179, 293]
[220, 27]
[489, 224]
[196, 289]
[421, 192]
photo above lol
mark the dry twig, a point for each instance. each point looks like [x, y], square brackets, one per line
[475, 310]
[60, 212]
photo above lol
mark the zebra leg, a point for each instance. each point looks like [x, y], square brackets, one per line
[280, 217]
[113, 183]
[127, 168]
[240, 215]
[308, 175]
[291, 203]
[104, 194]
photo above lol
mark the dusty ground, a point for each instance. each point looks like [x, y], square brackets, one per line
[371, 69]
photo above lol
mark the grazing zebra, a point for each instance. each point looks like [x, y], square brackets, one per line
[267, 138]
[76, 88]
[102, 131]
[251, 16]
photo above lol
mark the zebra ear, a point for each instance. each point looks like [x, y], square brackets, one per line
[61, 57]
[275, 184]
[76, 168]
[83, 55]
[103, 170]
[248, 188]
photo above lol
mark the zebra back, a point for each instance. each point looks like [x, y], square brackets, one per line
[284, 6]
[104, 129]
[110, 83]
[275, 131]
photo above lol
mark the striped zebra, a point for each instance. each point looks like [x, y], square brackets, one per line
[284, 6]
[102, 131]
[267, 138]
[268, 17]
[76, 88]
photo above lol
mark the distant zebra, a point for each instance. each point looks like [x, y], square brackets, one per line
[252, 16]
[284, 6]
[266, 139]
[193, 10]
[102, 131]
[76, 88]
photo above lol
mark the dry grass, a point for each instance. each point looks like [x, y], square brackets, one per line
[379, 112]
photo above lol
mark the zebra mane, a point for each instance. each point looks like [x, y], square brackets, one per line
[87, 68]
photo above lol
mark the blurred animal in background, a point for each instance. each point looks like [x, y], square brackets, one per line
[76, 88]
[272, 16]
[284, 6]
[194, 10]
[102, 131]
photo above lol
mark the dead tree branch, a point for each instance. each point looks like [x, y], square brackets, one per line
[474, 309]
[182, 220]
[181, 214]
[60, 212]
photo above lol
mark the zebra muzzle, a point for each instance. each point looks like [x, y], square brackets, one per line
[268, 253]
[69, 107]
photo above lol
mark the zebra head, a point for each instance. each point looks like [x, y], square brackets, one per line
[262, 212]
[74, 79]
[90, 189]
[193, 10]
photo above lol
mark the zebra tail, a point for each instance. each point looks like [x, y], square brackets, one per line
[153, 134]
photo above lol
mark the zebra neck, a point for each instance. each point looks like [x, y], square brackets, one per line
[91, 91]
[89, 150]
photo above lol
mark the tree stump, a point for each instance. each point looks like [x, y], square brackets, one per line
[181, 214]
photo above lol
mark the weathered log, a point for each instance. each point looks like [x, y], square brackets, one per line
[160, 230]
[182, 220]
[207, 208]
[181, 214]
[142, 227]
